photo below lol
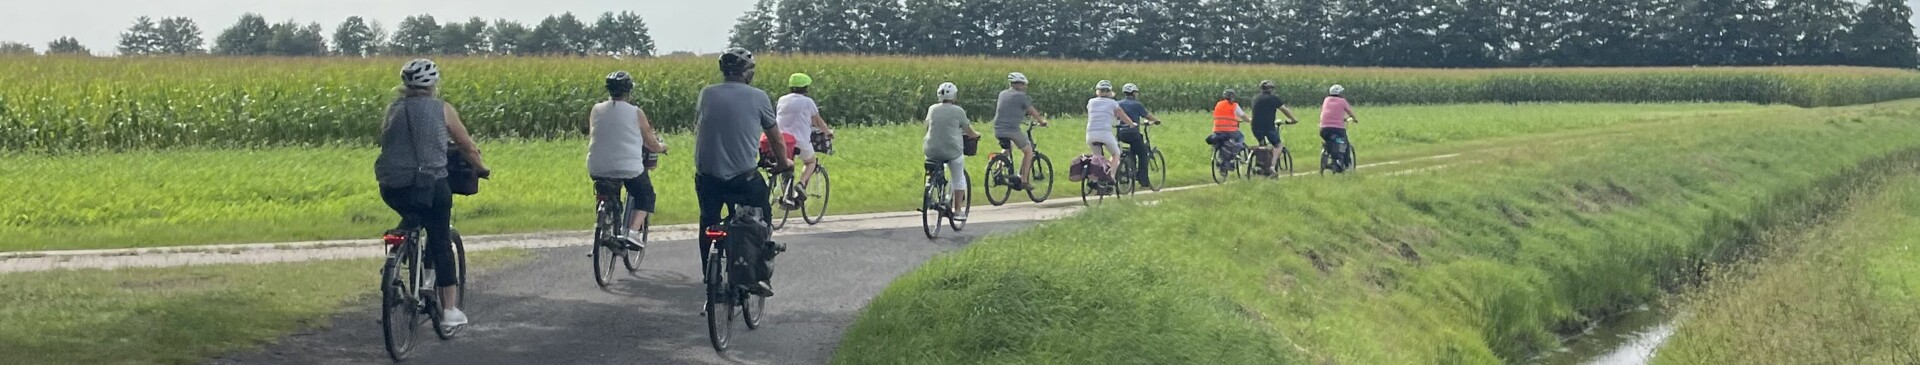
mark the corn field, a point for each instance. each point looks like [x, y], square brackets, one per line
[53, 104]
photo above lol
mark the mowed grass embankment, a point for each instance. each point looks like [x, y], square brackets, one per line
[183, 315]
[1848, 293]
[77, 105]
[1481, 262]
[207, 196]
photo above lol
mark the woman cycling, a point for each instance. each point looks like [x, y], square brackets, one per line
[798, 117]
[412, 171]
[616, 155]
[1334, 113]
[1103, 112]
[1227, 117]
[947, 127]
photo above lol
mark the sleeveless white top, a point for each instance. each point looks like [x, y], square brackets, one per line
[617, 149]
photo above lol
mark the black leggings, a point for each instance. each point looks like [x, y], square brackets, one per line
[429, 207]
[748, 189]
[1328, 134]
[1142, 153]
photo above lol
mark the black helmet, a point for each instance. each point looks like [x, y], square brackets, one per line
[736, 61]
[1266, 85]
[619, 83]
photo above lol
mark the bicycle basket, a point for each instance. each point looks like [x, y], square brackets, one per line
[821, 142]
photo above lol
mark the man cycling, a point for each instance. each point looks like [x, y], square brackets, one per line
[733, 115]
[1131, 135]
[799, 117]
[1227, 117]
[1265, 130]
[616, 154]
[1103, 115]
[1334, 113]
[947, 130]
[1010, 112]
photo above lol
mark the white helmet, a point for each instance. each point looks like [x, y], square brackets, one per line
[1130, 88]
[948, 91]
[1104, 85]
[421, 73]
[1017, 78]
[1337, 90]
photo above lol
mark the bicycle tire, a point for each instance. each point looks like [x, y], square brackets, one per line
[719, 305]
[1157, 168]
[964, 209]
[999, 178]
[1123, 181]
[754, 308]
[603, 254]
[779, 187]
[816, 191]
[460, 272]
[1040, 161]
[1286, 157]
[929, 209]
[1220, 170]
[1353, 157]
[633, 258]
[398, 316]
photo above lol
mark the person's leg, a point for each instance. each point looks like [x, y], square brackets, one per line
[438, 219]
[640, 195]
[811, 163]
[754, 188]
[708, 191]
[1026, 166]
[1137, 146]
[957, 180]
[1346, 146]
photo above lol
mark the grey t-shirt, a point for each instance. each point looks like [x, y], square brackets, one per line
[946, 124]
[413, 143]
[1011, 111]
[732, 118]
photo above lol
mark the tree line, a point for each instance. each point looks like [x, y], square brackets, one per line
[621, 34]
[1405, 33]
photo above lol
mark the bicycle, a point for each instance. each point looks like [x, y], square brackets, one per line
[1001, 173]
[727, 298]
[1285, 163]
[1097, 185]
[1156, 165]
[1327, 161]
[936, 202]
[404, 300]
[611, 220]
[789, 195]
[1226, 164]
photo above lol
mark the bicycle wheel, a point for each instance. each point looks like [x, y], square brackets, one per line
[720, 309]
[999, 179]
[1326, 161]
[633, 258]
[780, 188]
[1286, 160]
[1157, 169]
[754, 308]
[1247, 165]
[605, 255]
[1123, 181]
[963, 209]
[1353, 157]
[399, 315]
[1086, 188]
[930, 209]
[1042, 171]
[460, 272]
[813, 207]
[1221, 167]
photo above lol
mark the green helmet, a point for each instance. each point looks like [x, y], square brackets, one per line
[799, 80]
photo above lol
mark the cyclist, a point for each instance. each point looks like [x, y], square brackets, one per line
[1131, 135]
[1012, 109]
[947, 125]
[733, 115]
[1103, 113]
[1265, 130]
[1334, 114]
[412, 172]
[799, 117]
[1227, 117]
[620, 131]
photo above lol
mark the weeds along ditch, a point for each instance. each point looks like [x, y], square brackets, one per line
[1487, 262]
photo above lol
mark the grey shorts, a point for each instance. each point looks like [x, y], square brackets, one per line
[1013, 140]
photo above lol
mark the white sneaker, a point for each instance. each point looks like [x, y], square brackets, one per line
[960, 216]
[453, 318]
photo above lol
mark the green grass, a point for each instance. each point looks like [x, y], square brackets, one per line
[1848, 293]
[1482, 262]
[177, 315]
[206, 196]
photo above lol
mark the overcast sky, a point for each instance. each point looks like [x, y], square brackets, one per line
[677, 25]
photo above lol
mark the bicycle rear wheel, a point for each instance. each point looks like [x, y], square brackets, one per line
[604, 250]
[753, 308]
[1221, 167]
[1042, 171]
[460, 271]
[999, 179]
[813, 208]
[399, 315]
[963, 209]
[720, 309]
[930, 208]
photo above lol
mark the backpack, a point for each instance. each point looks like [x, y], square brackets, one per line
[749, 236]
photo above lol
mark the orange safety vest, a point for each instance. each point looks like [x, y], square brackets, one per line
[1226, 116]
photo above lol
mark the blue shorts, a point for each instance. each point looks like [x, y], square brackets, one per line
[1269, 136]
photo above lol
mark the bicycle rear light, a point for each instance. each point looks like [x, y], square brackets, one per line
[394, 239]
[716, 234]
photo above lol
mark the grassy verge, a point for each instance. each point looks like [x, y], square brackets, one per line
[1848, 293]
[176, 315]
[186, 197]
[1480, 263]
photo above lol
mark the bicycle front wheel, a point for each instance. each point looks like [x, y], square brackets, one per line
[813, 207]
[781, 188]
[999, 180]
[399, 315]
[720, 309]
[963, 209]
[1123, 177]
[1157, 169]
[1042, 171]
[1286, 160]
[633, 258]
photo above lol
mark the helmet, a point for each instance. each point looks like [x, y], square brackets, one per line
[1104, 85]
[1229, 94]
[1337, 90]
[1130, 88]
[736, 61]
[799, 80]
[420, 73]
[948, 91]
[1017, 78]
[1266, 85]
[619, 83]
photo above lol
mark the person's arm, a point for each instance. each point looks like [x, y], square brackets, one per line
[1035, 113]
[1149, 116]
[1349, 107]
[774, 139]
[1239, 112]
[458, 130]
[1121, 114]
[646, 132]
[1289, 113]
[819, 123]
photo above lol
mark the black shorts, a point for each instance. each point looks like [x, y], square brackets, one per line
[1266, 134]
[640, 189]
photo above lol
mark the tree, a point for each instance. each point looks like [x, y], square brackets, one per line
[67, 46]
[622, 35]
[878, 27]
[247, 37]
[1883, 37]
[795, 28]
[293, 39]
[508, 37]
[1816, 30]
[180, 36]
[15, 49]
[353, 38]
[558, 35]
[461, 39]
[414, 36]
[143, 38]
[751, 30]
[574, 35]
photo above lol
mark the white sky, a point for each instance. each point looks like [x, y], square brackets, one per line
[676, 25]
